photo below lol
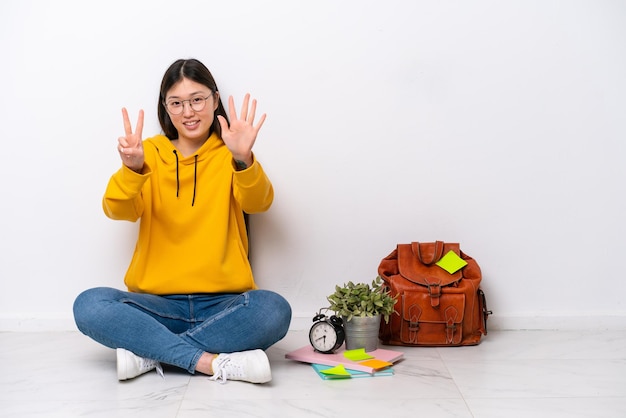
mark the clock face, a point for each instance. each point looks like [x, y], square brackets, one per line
[323, 337]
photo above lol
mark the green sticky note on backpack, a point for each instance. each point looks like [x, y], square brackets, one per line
[451, 262]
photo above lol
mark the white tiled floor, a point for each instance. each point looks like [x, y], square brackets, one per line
[510, 374]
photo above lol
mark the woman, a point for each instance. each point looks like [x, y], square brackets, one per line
[192, 301]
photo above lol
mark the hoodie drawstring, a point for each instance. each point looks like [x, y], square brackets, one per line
[177, 179]
[195, 177]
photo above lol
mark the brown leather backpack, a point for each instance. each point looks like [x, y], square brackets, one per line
[435, 307]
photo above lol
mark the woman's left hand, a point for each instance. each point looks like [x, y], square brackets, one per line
[240, 136]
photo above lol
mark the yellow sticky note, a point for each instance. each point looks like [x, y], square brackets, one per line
[376, 364]
[451, 262]
[356, 354]
[339, 370]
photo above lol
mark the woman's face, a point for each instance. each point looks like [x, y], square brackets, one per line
[191, 107]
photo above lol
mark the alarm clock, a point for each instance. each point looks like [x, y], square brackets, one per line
[327, 333]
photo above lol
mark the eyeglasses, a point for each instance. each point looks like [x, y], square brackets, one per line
[197, 103]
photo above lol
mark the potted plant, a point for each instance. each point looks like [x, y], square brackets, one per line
[361, 306]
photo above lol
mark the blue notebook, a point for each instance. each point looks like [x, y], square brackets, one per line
[353, 373]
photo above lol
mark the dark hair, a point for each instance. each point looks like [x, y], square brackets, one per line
[193, 70]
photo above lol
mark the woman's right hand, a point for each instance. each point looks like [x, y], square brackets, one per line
[130, 146]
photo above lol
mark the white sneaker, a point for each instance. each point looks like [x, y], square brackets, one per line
[250, 366]
[130, 365]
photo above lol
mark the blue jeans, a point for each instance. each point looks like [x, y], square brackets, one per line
[178, 329]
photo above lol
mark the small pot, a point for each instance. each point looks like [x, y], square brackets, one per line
[362, 332]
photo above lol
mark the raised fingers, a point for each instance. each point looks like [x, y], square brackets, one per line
[139, 127]
[128, 130]
[252, 111]
[258, 125]
[232, 113]
[244, 107]
[248, 111]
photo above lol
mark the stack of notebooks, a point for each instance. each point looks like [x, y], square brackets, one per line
[345, 364]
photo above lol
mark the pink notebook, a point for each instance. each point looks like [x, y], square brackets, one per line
[307, 354]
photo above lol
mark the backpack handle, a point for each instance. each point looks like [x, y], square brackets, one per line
[422, 253]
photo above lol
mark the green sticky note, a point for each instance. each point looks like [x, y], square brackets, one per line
[357, 354]
[339, 370]
[451, 262]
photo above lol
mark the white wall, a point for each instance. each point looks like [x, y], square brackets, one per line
[499, 125]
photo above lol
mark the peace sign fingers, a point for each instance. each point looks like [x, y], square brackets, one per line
[130, 146]
[128, 129]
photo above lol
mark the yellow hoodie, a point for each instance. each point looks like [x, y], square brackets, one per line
[192, 236]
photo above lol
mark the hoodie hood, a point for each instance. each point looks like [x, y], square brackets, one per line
[165, 150]
[171, 157]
